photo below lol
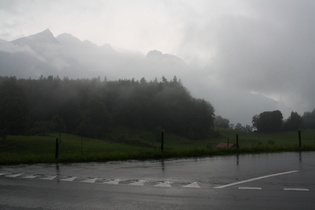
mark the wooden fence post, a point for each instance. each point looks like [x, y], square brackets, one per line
[162, 141]
[300, 139]
[57, 149]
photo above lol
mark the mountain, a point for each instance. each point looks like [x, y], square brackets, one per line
[65, 55]
[38, 41]
[68, 40]
[44, 37]
[8, 47]
[155, 55]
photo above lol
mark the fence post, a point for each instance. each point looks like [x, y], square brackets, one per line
[237, 145]
[162, 141]
[300, 139]
[81, 146]
[57, 149]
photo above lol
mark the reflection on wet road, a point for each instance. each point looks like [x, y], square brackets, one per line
[214, 170]
[269, 174]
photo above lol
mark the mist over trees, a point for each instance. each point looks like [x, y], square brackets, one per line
[294, 122]
[309, 120]
[93, 107]
[221, 122]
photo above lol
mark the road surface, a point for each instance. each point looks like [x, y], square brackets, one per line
[265, 181]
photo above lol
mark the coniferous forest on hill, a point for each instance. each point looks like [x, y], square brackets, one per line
[93, 107]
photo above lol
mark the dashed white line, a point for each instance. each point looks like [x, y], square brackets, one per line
[163, 184]
[192, 185]
[296, 189]
[89, 180]
[70, 179]
[116, 181]
[138, 183]
[255, 179]
[29, 177]
[13, 175]
[49, 177]
[249, 188]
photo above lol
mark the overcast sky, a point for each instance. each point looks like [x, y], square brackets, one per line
[266, 47]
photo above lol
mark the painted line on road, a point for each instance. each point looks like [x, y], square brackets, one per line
[296, 189]
[89, 180]
[13, 175]
[192, 185]
[167, 184]
[249, 188]
[29, 177]
[138, 183]
[49, 177]
[163, 184]
[70, 179]
[116, 181]
[255, 179]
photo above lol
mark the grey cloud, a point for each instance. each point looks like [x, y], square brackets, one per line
[272, 53]
[266, 47]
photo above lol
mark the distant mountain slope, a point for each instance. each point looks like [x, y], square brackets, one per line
[39, 39]
[66, 55]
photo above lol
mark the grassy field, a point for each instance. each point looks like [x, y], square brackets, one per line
[126, 143]
[280, 139]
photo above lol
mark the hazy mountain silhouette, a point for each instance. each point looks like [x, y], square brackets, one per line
[65, 55]
[37, 40]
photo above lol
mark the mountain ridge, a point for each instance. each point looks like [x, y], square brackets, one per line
[66, 55]
[45, 36]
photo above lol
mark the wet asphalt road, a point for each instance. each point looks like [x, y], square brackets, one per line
[265, 181]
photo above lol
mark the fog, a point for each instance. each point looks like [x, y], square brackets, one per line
[244, 57]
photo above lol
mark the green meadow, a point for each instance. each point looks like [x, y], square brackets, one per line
[127, 144]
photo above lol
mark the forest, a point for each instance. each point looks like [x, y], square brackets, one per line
[271, 122]
[93, 107]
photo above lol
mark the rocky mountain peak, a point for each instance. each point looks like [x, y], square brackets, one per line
[42, 37]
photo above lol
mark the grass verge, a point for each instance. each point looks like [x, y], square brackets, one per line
[126, 144]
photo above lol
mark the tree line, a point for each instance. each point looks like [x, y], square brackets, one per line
[93, 107]
[272, 121]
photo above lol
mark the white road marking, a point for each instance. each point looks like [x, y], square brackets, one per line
[249, 188]
[164, 184]
[89, 180]
[49, 177]
[29, 177]
[255, 179]
[138, 183]
[116, 181]
[13, 175]
[296, 189]
[70, 179]
[193, 185]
